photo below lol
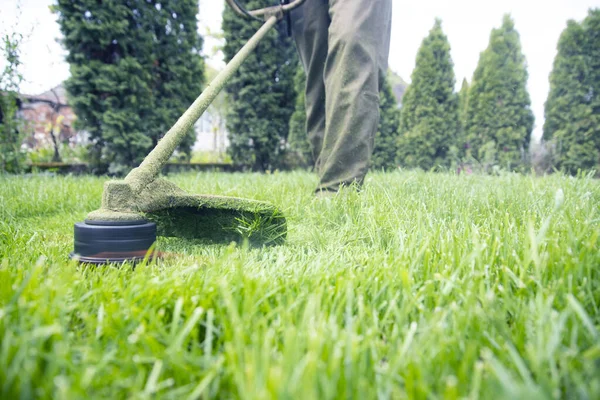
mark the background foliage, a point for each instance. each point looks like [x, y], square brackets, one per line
[499, 119]
[261, 92]
[572, 126]
[11, 133]
[135, 67]
[429, 123]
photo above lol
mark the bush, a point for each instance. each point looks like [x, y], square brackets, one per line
[12, 156]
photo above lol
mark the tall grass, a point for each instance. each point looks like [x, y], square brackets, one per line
[421, 286]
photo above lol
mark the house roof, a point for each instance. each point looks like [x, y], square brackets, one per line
[55, 95]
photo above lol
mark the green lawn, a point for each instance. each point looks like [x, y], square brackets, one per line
[422, 286]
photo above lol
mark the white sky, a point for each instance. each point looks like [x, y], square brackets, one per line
[467, 23]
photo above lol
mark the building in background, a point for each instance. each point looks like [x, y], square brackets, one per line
[49, 121]
[211, 134]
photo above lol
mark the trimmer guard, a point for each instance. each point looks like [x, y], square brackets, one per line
[177, 213]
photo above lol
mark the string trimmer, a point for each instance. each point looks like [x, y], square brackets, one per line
[141, 206]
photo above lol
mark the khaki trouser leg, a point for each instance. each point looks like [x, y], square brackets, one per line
[310, 25]
[357, 48]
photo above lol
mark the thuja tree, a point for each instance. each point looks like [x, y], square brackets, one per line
[499, 119]
[429, 122]
[573, 107]
[261, 92]
[463, 105]
[135, 68]
[384, 152]
[297, 138]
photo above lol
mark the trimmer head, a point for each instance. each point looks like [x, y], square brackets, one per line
[99, 242]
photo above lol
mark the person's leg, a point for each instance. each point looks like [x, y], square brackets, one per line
[358, 49]
[310, 24]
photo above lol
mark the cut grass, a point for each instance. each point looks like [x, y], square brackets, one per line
[422, 286]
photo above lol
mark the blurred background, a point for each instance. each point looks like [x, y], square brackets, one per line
[52, 104]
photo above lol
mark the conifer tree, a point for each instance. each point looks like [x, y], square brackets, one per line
[499, 119]
[384, 152]
[298, 140]
[463, 104]
[135, 68]
[429, 122]
[178, 72]
[261, 92]
[573, 107]
[463, 101]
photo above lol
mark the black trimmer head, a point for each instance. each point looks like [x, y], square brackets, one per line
[100, 242]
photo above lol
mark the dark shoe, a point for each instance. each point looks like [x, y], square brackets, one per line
[325, 193]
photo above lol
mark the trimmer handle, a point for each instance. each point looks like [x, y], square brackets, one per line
[264, 13]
